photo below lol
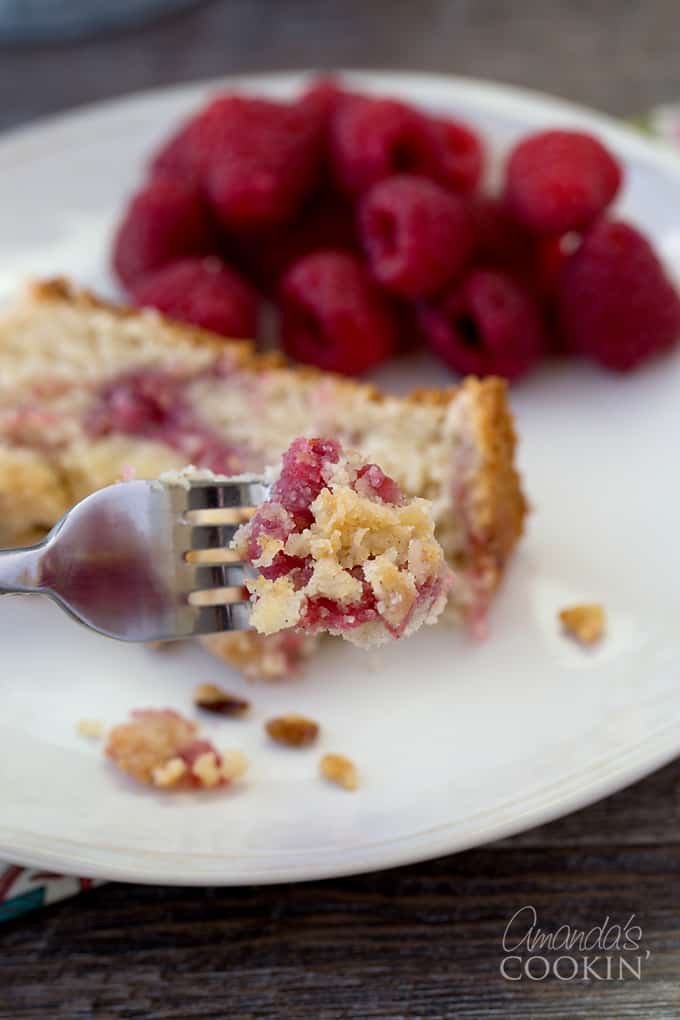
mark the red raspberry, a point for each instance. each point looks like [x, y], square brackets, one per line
[409, 337]
[500, 241]
[325, 222]
[262, 160]
[204, 292]
[322, 98]
[333, 316]
[321, 101]
[415, 234]
[372, 139]
[181, 155]
[616, 303]
[164, 221]
[503, 243]
[485, 325]
[557, 181]
[459, 155]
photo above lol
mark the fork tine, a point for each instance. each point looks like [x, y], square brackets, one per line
[216, 554]
[214, 513]
[227, 575]
[211, 536]
[212, 619]
[228, 515]
[226, 596]
[151, 560]
[246, 492]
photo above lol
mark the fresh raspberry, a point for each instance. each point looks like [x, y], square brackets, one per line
[549, 258]
[262, 159]
[325, 222]
[187, 153]
[372, 139]
[409, 334]
[166, 220]
[204, 292]
[415, 234]
[503, 243]
[181, 156]
[322, 98]
[333, 316]
[485, 325]
[459, 155]
[616, 303]
[557, 181]
[321, 102]
[500, 241]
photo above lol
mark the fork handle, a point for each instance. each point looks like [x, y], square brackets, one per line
[20, 570]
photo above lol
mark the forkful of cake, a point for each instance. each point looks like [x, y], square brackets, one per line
[327, 544]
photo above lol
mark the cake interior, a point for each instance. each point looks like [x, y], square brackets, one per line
[90, 394]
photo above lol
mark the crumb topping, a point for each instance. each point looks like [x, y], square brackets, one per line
[584, 622]
[170, 773]
[159, 747]
[234, 765]
[340, 549]
[93, 728]
[207, 769]
[261, 656]
[338, 769]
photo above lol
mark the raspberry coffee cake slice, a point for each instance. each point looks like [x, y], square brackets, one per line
[339, 549]
[91, 392]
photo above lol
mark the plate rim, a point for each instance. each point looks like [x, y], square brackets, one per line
[544, 805]
[619, 768]
[491, 92]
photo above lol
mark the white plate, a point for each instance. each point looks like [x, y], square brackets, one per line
[457, 744]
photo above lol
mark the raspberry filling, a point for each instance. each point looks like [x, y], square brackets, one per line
[153, 405]
[339, 549]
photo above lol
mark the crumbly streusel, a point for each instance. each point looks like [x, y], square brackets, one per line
[340, 549]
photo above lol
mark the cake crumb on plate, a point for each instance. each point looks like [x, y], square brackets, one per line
[584, 622]
[338, 769]
[159, 747]
[92, 728]
[169, 774]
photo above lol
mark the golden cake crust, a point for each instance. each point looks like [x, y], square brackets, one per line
[499, 505]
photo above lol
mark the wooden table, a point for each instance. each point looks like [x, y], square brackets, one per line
[422, 941]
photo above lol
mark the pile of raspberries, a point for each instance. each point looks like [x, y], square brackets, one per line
[363, 219]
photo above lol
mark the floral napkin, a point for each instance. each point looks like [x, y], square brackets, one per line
[23, 889]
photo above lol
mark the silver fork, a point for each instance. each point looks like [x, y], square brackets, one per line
[145, 561]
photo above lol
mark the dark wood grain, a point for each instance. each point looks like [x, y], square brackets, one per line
[618, 55]
[423, 941]
[417, 942]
